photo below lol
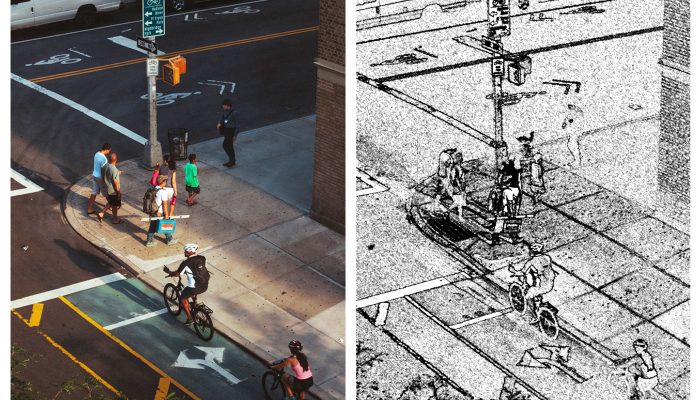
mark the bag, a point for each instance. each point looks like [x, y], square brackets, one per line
[154, 178]
[150, 204]
[166, 226]
[200, 272]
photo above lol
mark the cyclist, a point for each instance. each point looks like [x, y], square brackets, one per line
[303, 377]
[539, 276]
[185, 270]
[641, 374]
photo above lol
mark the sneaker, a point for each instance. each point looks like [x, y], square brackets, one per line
[171, 241]
[151, 243]
[189, 322]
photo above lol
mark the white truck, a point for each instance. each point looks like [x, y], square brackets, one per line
[29, 13]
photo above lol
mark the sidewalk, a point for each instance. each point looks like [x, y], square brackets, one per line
[623, 273]
[277, 274]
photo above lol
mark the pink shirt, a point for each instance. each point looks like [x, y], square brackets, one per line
[299, 372]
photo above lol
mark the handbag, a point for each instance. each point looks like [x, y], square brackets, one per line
[154, 177]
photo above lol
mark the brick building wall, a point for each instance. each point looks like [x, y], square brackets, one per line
[328, 198]
[674, 141]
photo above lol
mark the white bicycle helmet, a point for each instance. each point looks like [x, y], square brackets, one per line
[191, 247]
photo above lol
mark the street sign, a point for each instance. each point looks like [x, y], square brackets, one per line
[153, 18]
[152, 67]
[499, 18]
[497, 67]
[491, 44]
[145, 44]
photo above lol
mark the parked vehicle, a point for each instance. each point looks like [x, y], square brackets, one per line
[29, 13]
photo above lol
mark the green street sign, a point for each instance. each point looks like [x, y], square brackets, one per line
[153, 18]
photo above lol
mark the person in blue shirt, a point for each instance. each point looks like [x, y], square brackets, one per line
[98, 185]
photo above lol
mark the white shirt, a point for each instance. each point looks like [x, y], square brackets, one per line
[162, 195]
[187, 274]
[99, 161]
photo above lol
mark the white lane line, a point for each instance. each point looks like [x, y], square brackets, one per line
[407, 291]
[376, 186]
[29, 186]
[133, 22]
[482, 318]
[129, 43]
[136, 319]
[124, 131]
[66, 290]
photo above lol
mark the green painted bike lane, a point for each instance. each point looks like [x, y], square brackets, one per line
[215, 369]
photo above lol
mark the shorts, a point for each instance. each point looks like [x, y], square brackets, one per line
[191, 189]
[300, 385]
[114, 200]
[98, 186]
[189, 292]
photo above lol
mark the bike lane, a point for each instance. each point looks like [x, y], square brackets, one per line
[135, 315]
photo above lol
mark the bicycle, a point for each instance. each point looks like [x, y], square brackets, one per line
[203, 325]
[272, 382]
[545, 313]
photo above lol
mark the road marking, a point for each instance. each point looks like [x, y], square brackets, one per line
[130, 44]
[72, 357]
[212, 356]
[35, 317]
[189, 51]
[66, 290]
[482, 318]
[77, 52]
[163, 387]
[29, 186]
[127, 348]
[407, 291]
[135, 319]
[220, 84]
[375, 185]
[92, 114]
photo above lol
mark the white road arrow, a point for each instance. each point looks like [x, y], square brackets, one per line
[220, 84]
[212, 356]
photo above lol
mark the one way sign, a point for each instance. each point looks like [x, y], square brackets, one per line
[147, 45]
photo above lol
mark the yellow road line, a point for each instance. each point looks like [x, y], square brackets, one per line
[72, 357]
[169, 55]
[127, 348]
[35, 318]
[163, 386]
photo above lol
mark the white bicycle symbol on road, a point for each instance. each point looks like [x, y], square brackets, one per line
[58, 59]
[240, 10]
[167, 99]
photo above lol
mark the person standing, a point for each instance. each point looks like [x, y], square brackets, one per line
[171, 184]
[114, 194]
[536, 177]
[98, 186]
[191, 180]
[163, 210]
[228, 126]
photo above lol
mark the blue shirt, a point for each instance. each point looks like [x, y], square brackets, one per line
[98, 163]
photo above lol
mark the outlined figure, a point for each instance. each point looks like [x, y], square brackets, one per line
[639, 370]
[573, 135]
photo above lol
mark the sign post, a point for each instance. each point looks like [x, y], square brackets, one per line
[153, 25]
[498, 26]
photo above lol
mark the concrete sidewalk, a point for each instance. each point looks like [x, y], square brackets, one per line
[277, 274]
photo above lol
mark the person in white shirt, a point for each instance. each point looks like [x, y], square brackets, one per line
[162, 198]
[98, 185]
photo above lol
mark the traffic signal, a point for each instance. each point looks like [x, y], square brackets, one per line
[171, 74]
[518, 69]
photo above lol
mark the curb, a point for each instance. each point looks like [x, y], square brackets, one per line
[138, 273]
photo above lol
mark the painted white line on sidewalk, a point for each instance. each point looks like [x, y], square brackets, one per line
[376, 186]
[407, 291]
[66, 290]
[129, 43]
[136, 319]
[29, 186]
[482, 318]
[150, 265]
[124, 131]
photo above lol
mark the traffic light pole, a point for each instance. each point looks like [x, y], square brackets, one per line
[152, 152]
[498, 143]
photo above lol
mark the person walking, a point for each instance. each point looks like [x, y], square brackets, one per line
[228, 126]
[98, 186]
[162, 200]
[114, 194]
[171, 184]
[191, 180]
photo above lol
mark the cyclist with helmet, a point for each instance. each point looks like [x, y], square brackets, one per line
[302, 379]
[641, 373]
[185, 270]
[539, 275]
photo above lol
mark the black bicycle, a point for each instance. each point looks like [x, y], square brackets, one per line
[545, 313]
[200, 312]
[272, 384]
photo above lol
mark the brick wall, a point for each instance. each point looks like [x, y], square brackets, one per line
[328, 198]
[674, 141]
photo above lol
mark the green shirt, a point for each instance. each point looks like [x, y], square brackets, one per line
[191, 175]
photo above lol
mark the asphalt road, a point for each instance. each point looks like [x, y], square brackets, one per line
[260, 54]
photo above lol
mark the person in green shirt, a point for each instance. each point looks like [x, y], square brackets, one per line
[191, 180]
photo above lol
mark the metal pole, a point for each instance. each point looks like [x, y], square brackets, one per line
[152, 153]
[499, 144]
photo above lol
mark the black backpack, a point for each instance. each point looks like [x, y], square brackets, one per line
[199, 271]
[150, 205]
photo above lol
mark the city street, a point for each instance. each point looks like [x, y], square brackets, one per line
[74, 90]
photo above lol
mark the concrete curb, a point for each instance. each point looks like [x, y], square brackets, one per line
[124, 262]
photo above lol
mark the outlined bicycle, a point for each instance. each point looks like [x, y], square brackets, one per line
[272, 384]
[544, 312]
[203, 324]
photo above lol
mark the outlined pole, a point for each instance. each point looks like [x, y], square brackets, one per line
[152, 151]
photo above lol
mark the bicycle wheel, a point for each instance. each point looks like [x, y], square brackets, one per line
[517, 298]
[271, 384]
[171, 296]
[548, 323]
[202, 324]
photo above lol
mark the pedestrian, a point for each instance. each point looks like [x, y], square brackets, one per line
[171, 184]
[228, 126]
[113, 185]
[457, 185]
[98, 186]
[162, 199]
[191, 180]
[537, 188]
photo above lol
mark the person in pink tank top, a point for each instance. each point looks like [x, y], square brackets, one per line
[303, 378]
